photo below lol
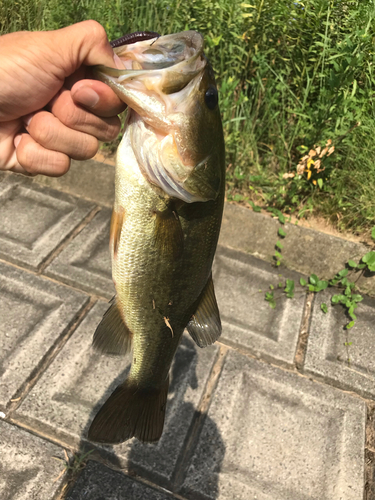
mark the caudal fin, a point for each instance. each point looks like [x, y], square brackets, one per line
[130, 412]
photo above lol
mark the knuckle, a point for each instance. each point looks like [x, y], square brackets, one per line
[36, 160]
[65, 110]
[72, 117]
[92, 147]
[110, 129]
[61, 165]
[27, 155]
[112, 133]
[88, 149]
[95, 30]
[43, 130]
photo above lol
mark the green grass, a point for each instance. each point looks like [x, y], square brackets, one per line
[292, 74]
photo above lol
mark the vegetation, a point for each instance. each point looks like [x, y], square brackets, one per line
[296, 80]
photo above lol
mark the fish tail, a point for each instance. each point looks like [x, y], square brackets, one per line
[129, 412]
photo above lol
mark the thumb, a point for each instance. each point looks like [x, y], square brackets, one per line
[83, 43]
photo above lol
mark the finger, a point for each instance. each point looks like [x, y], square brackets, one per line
[75, 117]
[34, 159]
[8, 133]
[89, 46]
[97, 97]
[49, 132]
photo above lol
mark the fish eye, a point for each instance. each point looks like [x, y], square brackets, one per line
[211, 97]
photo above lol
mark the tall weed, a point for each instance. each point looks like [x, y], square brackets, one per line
[293, 75]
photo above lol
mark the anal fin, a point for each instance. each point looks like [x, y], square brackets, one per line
[205, 325]
[112, 336]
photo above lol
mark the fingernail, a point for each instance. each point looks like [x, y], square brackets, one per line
[17, 140]
[86, 96]
[27, 119]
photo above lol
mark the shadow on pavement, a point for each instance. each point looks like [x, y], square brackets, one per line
[166, 463]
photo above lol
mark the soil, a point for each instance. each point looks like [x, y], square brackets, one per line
[322, 225]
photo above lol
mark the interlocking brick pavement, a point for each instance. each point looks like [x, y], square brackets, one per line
[244, 419]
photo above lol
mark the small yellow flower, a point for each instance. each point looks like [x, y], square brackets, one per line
[310, 162]
[314, 182]
[308, 174]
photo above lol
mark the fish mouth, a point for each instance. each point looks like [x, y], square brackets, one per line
[159, 79]
[153, 71]
[153, 52]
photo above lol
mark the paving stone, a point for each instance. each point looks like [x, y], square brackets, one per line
[28, 469]
[256, 233]
[97, 482]
[65, 400]
[34, 313]
[90, 179]
[85, 262]
[248, 320]
[34, 220]
[327, 355]
[272, 434]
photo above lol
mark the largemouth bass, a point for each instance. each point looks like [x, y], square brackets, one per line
[165, 224]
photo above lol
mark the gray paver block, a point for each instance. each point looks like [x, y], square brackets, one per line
[34, 313]
[247, 318]
[255, 233]
[34, 220]
[28, 470]
[97, 482]
[327, 356]
[85, 262]
[65, 400]
[88, 179]
[272, 434]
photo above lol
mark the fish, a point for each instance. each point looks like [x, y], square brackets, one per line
[169, 198]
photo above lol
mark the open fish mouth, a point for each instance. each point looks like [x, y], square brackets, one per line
[153, 51]
[159, 66]
[160, 79]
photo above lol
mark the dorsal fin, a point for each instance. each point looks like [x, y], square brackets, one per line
[112, 336]
[205, 325]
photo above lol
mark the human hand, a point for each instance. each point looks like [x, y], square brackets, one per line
[48, 112]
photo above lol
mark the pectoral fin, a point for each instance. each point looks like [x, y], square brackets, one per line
[205, 180]
[205, 325]
[168, 236]
[112, 336]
